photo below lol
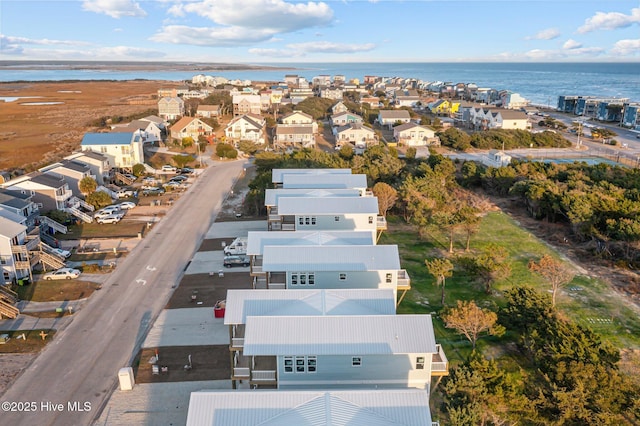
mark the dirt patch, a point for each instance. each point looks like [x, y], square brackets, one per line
[208, 289]
[56, 290]
[213, 244]
[12, 366]
[207, 363]
[233, 206]
[32, 342]
[42, 134]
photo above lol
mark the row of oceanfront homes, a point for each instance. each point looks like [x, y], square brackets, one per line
[318, 332]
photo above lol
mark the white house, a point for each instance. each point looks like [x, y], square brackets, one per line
[190, 127]
[325, 181]
[72, 171]
[271, 196]
[390, 117]
[277, 174]
[344, 118]
[151, 132]
[356, 134]
[14, 255]
[97, 163]
[124, 150]
[486, 118]
[412, 134]
[246, 104]
[49, 191]
[294, 136]
[248, 127]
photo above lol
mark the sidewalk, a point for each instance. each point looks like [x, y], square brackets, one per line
[25, 322]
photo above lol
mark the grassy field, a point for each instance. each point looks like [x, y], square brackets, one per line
[33, 342]
[585, 300]
[122, 229]
[56, 290]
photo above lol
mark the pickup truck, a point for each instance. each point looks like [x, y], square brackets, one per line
[237, 247]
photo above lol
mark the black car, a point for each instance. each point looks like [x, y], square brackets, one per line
[185, 170]
[230, 261]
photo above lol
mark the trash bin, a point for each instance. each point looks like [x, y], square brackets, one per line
[220, 274]
[219, 309]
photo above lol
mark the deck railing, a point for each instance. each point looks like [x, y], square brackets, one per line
[404, 281]
[263, 376]
[439, 363]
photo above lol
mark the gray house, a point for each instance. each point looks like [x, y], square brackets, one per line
[72, 171]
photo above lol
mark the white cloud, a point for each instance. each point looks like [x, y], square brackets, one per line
[128, 52]
[276, 15]
[114, 8]
[626, 47]
[547, 34]
[207, 36]
[15, 45]
[555, 54]
[610, 21]
[294, 50]
[571, 44]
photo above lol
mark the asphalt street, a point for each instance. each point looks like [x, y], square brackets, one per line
[71, 380]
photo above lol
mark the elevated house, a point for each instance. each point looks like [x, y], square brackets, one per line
[170, 108]
[98, 163]
[356, 134]
[444, 107]
[390, 118]
[335, 93]
[257, 241]
[50, 192]
[339, 107]
[20, 204]
[406, 407]
[344, 118]
[299, 118]
[248, 127]
[14, 255]
[150, 131]
[271, 196]
[72, 171]
[294, 136]
[487, 118]
[631, 116]
[123, 150]
[190, 127]
[412, 134]
[246, 104]
[208, 111]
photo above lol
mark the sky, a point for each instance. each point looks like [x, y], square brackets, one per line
[271, 31]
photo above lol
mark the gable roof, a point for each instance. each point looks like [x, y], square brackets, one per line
[394, 114]
[252, 119]
[327, 205]
[304, 114]
[185, 121]
[408, 126]
[9, 228]
[331, 258]
[107, 139]
[389, 407]
[293, 129]
[339, 335]
[277, 174]
[354, 126]
[241, 304]
[11, 199]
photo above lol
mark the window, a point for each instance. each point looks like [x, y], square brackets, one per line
[343, 277]
[307, 220]
[312, 279]
[313, 220]
[388, 278]
[300, 365]
[288, 364]
[311, 364]
[336, 218]
[420, 363]
[370, 220]
[303, 279]
[294, 279]
[300, 221]
[356, 361]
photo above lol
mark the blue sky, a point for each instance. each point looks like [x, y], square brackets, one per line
[264, 31]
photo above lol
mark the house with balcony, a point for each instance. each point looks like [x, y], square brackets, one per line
[631, 116]
[248, 127]
[150, 131]
[97, 163]
[412, 134]
[277, 174]
[170, 108]
[190, 127]
[72, 171]
[258, 240]
[14, 256]
[49, 192]
[241, 304]
[357, 135]
[326, 213]
[246, 104]
[389, 118]
[406, 407]
[208, 111]
[487, 118]
[339, 107]
[298, 118]
[20, 204]
[294, 136]
[343, 351]
[511, 100]
[335, 93]
[344, 118]
[123, 150]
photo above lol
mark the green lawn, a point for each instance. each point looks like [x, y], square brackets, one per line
[123, 229]
[588, 301]
[56, 290]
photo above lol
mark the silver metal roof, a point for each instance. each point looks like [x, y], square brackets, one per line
[339, 335]
[272, 195]
[259, 239]
[10, 229]
[327, 205]
[244, 303]
[388, 407]
[331, 258]
[277, 174]
[324, 181]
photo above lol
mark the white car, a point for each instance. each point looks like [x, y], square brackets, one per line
[125, 193]
[168, 168]
[127, 205]
[112, 218]
[62, 274]
[61, 252]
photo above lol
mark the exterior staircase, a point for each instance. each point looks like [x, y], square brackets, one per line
[58, 227]
[8, 299]
[74, 208]
[49, 259]
[149, 169]
[122, 178]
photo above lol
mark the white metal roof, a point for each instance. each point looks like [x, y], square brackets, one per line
[327, 205]
[271, 196]
[331, 258]
[339, 335]
[276, 174]
[259, 239]
[244, 303]
[324, 181]
[10, 229]
[389, 407]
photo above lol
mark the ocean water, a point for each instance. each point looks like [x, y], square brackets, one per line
[541, 83]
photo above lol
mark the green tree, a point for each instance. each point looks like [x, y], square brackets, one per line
[139, 170]
[224, 150]
[387, 197]
[470, 320]
[186, 142]
[440, 269]
[99, 199]
[181, 160]
[493, 265]
[346, 151]
[248, 147]
[87, 185]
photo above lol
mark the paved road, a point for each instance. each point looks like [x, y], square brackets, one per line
[82, 364]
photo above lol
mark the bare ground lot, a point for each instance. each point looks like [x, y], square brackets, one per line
[34, 135]
[207, 289]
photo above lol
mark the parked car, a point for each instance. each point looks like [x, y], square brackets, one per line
[62, 274]
[61, 252]
[127, 205]
[186, 170]
[239, 260]
[149, 180]
[168, 168]
[153, 191]
[112, 218]
[178, 178]
[125, 193]
[173, 184]
[106, 211]
[130, 176]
